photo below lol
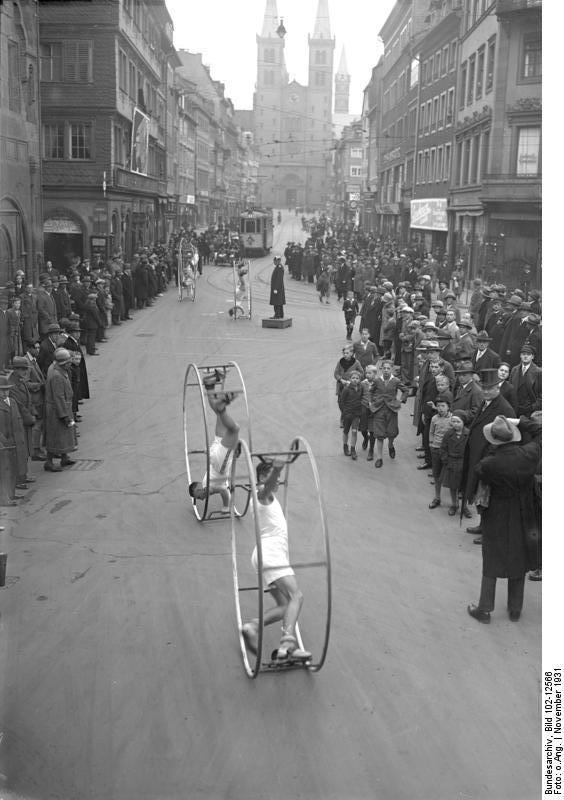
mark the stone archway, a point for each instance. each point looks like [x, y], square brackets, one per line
[6, 255]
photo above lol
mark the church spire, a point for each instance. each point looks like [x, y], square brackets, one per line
[271, 21]
[343, 69]
[322, 28]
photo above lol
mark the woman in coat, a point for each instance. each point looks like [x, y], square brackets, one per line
[510, 527]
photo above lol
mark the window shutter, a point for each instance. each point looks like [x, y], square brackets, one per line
[84, 61]
[23, 61]
[70, 61]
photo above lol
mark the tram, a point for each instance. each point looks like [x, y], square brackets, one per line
[255, 230]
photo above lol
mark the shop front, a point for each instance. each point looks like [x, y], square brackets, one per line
[63, 240]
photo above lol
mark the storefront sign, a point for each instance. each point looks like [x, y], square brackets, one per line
[393, 154]
[429, 214]
[61, 225]
[190, 199]
[354, 196]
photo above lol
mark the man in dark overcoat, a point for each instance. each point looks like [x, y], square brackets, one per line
[467, 395]
[46, 308]
[128, 296]
[79, 372]
[493, 405]
[8, 464]
[59, 421]
[514, 333]
[484, 357]
[277, 293]
[526, 378]
[62, 298]
[510, 524]
[371, 314]
[4, 342]
[36, 385]
[48, 346]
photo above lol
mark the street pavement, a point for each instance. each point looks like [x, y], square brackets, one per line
[120, 666]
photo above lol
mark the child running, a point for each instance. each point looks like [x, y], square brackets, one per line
[350, 404]
[278, 576]
[440, 424]
[384, 405]
[452, 457]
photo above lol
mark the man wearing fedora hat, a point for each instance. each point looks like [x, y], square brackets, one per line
[46, 307]
[510, 522]
[59, 418]
[79, 372]
[466, 347]
[515, 331]
[48, 346]
[526, 378]
[484, 357]
[467, 395]
[492, 405]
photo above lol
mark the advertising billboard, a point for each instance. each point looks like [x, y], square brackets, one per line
[431, 215]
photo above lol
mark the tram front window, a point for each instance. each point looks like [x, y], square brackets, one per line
[249, 226]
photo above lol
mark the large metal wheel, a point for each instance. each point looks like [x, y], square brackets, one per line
[308, 536]
[199, 430]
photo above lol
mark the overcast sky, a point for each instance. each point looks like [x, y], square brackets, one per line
[224, 32]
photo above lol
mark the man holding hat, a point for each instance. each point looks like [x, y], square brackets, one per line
[510, 524]
[483, 357]
[492, 406]
[277, 293]
[46, 308]
[526, 378]
[59, 418]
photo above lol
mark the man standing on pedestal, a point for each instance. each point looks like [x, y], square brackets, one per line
[277, 294]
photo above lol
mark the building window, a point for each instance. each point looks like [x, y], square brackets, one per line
[14, 77]
[122, 71]
[53, 141]
[320, 79]
[463, 77]
[450, 107]
[429, 112]
[528, 151]
[475, 7]
[77, 61]
[432, 165]
[412, 121]
[471, 78]
[422, 117]
[452, 56]
[51, 66]
[491, 65]
[459, 164]
[446, 174]
[132, 81]
[475, 153]
[269, 55]
[466, 152]
[320, 57]
[444, 60]
[440, 167]
[435, 112]
[437, 72]
[356, 152]
[420, 166]
[80, 140]
[430, 68]
[531, 63]
[485, 152]
[480, 72]
[356, 172]
[442, 110]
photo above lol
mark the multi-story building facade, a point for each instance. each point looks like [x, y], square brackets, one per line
[400, 77]
[437, 54]
[349, 172]
[104, 72]
[293, 123]
[371, 111]
[476, 96]
[511, 185]
[183, 151]
[20, 162]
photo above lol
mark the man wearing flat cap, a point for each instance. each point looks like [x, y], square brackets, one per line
[526, 378]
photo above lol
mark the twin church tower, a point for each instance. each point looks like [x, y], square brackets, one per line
[293, 124]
